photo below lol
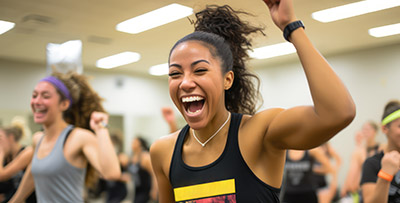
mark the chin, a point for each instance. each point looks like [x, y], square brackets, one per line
[197, 125]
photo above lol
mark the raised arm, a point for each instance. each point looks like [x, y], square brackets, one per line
[319, 155]
[99, 150]
[169, 117]
[335, 155]
[379, 191]
[307, 127]
[352, 181]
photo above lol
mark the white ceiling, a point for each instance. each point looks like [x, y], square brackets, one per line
[93, 21]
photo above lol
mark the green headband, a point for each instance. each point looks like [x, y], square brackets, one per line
[391, 117]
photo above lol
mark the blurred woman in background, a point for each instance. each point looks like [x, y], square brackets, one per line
[141, 172]
[74, 141]
[14, 159]
[380, 180]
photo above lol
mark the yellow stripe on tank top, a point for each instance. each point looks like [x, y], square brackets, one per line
[205, 190]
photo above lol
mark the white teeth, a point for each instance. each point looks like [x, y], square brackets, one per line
[192, 99]
[39, 110]
[193, 112]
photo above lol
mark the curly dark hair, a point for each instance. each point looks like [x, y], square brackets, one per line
[85, 102]
[85, 99]
[220, 29]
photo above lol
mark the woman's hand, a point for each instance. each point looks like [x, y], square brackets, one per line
[98, 120]
[282, 12]
[391, 162]
[168, 114]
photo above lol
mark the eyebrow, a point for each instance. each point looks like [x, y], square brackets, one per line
[193, 64]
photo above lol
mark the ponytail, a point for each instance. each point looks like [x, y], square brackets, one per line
[221, 30]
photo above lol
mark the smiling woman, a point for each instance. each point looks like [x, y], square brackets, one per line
[228, 152]
[73, 143]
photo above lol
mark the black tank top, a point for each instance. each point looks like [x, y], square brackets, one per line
[299, 174]
[142, 182]
[228, 179]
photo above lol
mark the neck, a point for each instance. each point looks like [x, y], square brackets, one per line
[371, 142]
[213, 126]
[54, 129]
[391, 147]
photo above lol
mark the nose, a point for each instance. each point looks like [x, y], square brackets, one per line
[35, 100]
[187, 83]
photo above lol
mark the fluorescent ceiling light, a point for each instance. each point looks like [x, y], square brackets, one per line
[353, 9]
[384, 31]
[160, 69]
[154, 18]
[5, 26]
[118, 60]
[273, 51]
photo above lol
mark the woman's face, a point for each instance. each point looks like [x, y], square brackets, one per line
[136, 146]
[368, 131]
[196, 84]
[393, 133]
[45, 103]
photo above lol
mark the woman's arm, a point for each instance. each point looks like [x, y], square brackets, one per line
[318, 155]
[19, 163]
[25, 188]
[27, 185]
[379, 191]
[309, 126]
[99, 150]
[157, 154]
[169, 117]
[352, 181]
[146, 163]
[326, 166]
[335, 155]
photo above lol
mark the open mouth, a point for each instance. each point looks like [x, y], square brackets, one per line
[40, 110]
[193, 104]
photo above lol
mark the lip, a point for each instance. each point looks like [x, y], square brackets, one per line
[38, 114]
[195, 114]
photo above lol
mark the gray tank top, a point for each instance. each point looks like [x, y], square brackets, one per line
[56, 180]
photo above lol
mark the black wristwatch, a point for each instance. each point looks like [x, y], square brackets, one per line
[292, 27]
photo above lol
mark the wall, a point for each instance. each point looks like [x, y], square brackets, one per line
[372, 77]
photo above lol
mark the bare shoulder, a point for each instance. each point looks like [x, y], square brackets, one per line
[161, 152]
[82, 136]
[82, 131]
[163, 144]
[36, 137]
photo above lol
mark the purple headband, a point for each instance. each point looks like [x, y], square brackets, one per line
[60, 86]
